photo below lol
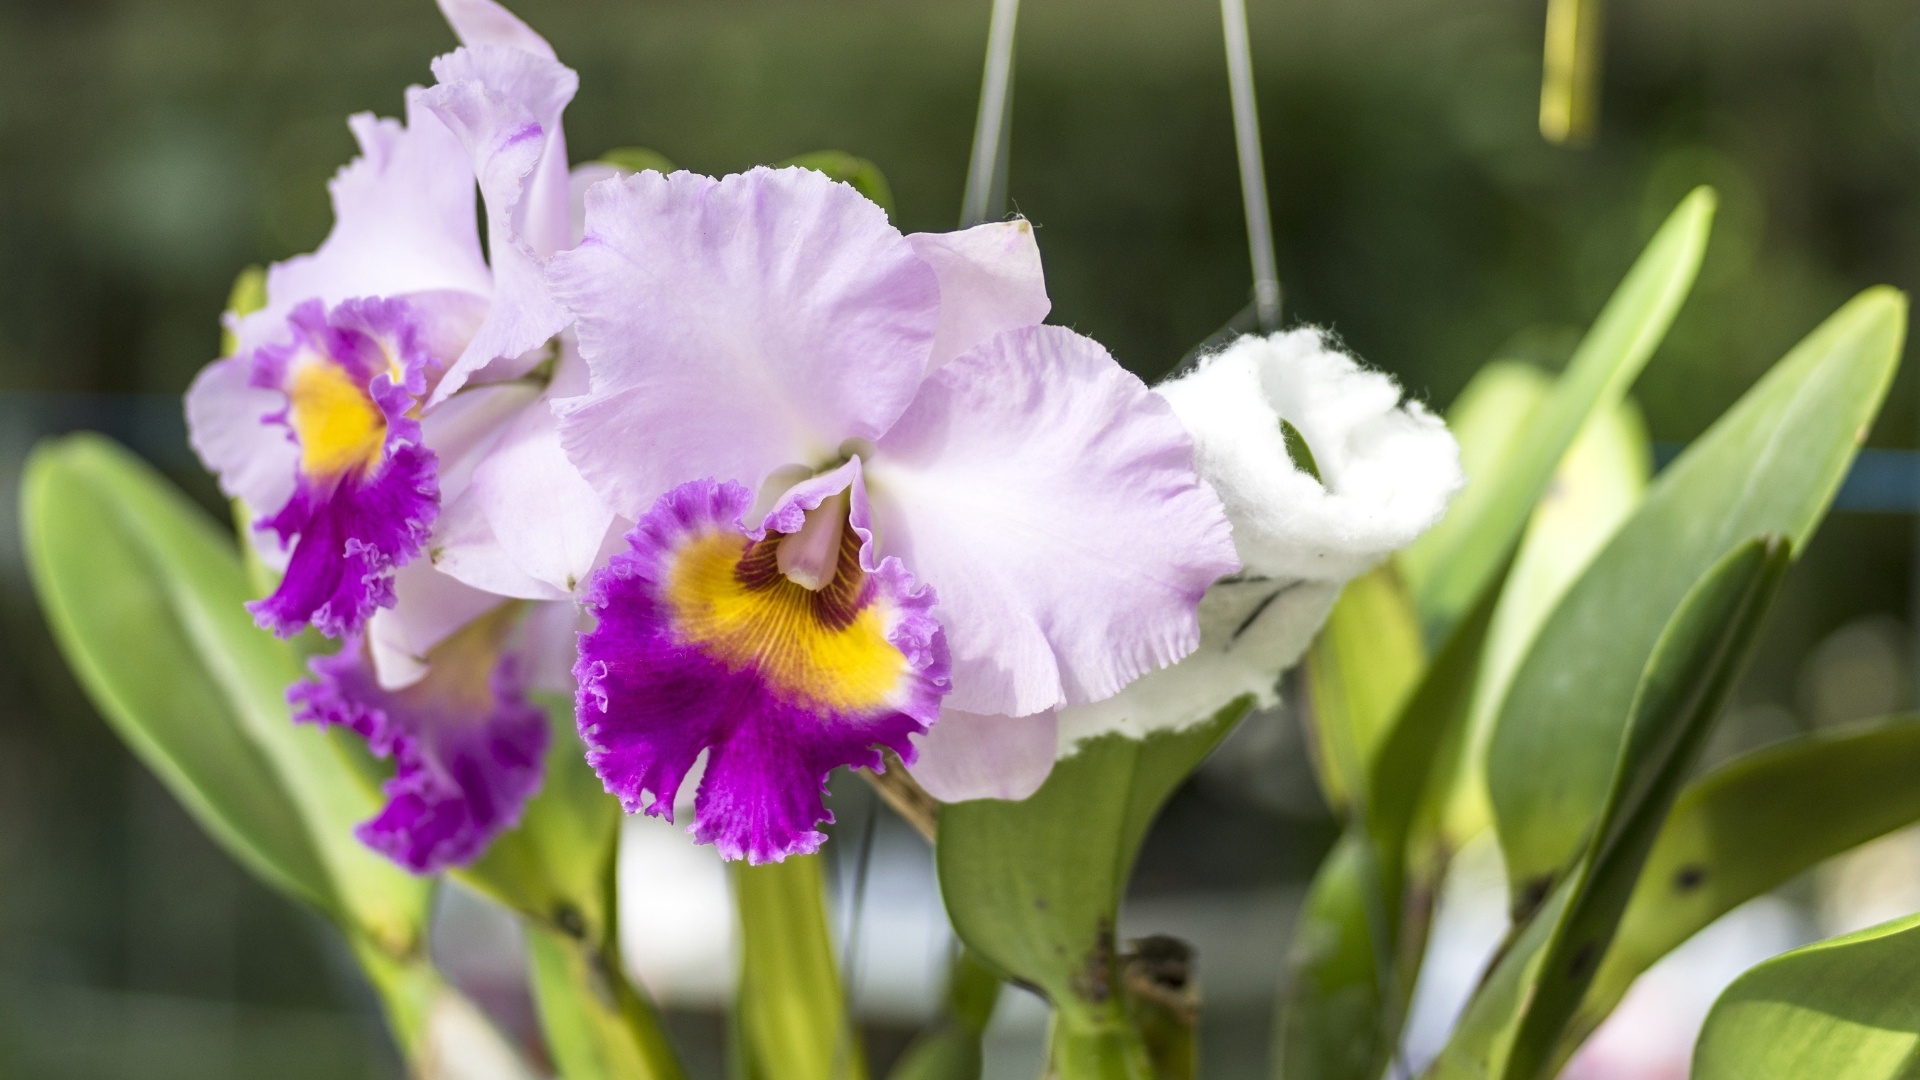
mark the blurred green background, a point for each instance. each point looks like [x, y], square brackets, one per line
[150, 148]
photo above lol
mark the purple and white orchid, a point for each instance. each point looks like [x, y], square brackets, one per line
[391, 401]
[871, 493]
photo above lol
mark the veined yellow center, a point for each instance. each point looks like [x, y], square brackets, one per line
[339, 427]
[817, 648]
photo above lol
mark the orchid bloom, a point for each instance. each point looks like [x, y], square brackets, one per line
[392, 399]
[1387, 470]
[871, 493]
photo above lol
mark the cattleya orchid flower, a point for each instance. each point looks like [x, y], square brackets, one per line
[1387, 470]
[391, 400]
[871, 493]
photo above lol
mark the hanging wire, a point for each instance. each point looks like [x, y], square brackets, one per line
[986, 197]
[1570, 74]
[1253, 173]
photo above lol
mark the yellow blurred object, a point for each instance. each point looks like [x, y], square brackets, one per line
[1570, 80]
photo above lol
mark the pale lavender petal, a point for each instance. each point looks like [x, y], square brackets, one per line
[663, 677]
[464, 547]
[504, 105]
[974, 756]
[990, 280]
[543, 515]
[403, 223]
[584, 175]
[466, 758]
[428, 606]
[461, 429]
[1052, 500]
[483, 22]
[736, 326]
[550, 645]
[254, 460]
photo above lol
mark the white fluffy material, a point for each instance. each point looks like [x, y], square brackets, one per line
[1387, 468]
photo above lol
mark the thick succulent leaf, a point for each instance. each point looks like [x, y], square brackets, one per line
[1034, 886]
[1364, 663]
[1596, 489]
[1461, 554]
[1687, 683]
[207, 586]
[1744, 829]
[790, 1016]
[114, 617]
[1845, 1009]
[1769, 466]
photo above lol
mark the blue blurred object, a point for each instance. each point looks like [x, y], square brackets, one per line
[1880, 482]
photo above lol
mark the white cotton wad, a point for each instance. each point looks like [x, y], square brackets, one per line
[1387, 470]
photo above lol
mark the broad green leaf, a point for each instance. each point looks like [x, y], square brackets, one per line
[791, 1014]
[1845, 1009]
[864, 175]
[112, 613]
[951, 1048]
[207, 587]
[1487, 419]
[635, 159]
[1329, 1023]
[1687, 683]
[1598, 484]
[1035, 886]
[1364, 662]
[1370, 905]
[1769, 466]
[1460, 555]
[1744, 829]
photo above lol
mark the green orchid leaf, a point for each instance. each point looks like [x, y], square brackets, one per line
[1598, 485]
[1770, 465]
[1487, 418]
[864, 175]
[791, 1017]
[951, 1048]
[1451, 565]
[1034, 887]
[1329, 1023]
[1364, 663]
[1483, 1038]
[596, 1024]
[113, 614]
[1845, 1009]
[207, 586]
[1744, 830]
[1688, 680]
[635, 159]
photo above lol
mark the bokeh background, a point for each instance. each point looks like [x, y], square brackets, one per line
[150, 148]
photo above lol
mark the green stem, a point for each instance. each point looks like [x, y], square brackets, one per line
[441, 1034]
[1097, 1045]
[597, 1025]
[791, 1014]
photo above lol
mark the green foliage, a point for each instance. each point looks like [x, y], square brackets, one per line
[1744, 829]
[791, 1018]
[1451, 566]
[635, 159]
[864, 175]
[1687, 682]
[950, 1049]
[1034, 886]
[1845, 1009]
[1770, 465]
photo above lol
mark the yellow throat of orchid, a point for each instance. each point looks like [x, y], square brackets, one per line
[340, 428]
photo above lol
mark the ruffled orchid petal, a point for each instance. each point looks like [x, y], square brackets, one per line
[973, 756]
[503, 105]
[702, 645]
[736, 326]
[403, 224]
[583, 177]
[428, 607]
[1052, 500]
[467, 746]
[990, 280]
[465, 548]
[365, 491]
[483, 22]
[227, 423]
[1387, 469]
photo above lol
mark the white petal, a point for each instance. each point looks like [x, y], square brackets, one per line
[990, 280]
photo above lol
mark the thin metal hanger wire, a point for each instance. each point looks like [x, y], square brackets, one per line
[986, 195]
[1253, 172]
